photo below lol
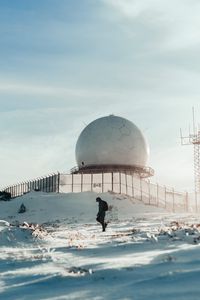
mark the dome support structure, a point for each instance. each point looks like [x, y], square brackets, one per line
[142, 172]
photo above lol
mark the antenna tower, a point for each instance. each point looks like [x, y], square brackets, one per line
[194, 139]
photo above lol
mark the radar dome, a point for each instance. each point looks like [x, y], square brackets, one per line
[111, 140]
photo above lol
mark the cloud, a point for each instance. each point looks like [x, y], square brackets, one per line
[178, 20]
[64, 66]
[129, 8]
[42, 90]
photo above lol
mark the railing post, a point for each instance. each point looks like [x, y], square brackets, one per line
[126, 184]
[133, 194]
[49, 181]
[112, 182]
[72, 182]
[91, 182]
[58, 182]
[53, 183]
[173, 200]
[120, 183]
[141, 189]
[149, 192]
[102, 187]
[81, 182]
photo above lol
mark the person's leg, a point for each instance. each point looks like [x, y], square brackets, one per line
[101, 221]
[101, 218]
[103, 225]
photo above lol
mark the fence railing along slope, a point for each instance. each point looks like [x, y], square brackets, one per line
[116, 182]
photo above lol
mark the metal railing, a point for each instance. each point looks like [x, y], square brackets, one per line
[142, 171]
[114, 182]
[48, 183]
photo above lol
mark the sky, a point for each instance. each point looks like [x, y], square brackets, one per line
[65, 63]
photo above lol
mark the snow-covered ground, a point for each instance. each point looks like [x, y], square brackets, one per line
[146, 253]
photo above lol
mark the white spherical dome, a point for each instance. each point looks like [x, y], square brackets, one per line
[111, 140]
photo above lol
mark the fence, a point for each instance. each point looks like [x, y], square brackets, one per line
[120, 183]
[49, 184]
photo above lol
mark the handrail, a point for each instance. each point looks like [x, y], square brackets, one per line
[147, 171]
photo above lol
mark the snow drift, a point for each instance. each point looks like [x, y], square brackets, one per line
[72, 207]
[145, 253]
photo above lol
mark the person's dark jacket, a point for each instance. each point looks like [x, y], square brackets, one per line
[101, 207]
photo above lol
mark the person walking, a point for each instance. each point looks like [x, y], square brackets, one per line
[103, 207]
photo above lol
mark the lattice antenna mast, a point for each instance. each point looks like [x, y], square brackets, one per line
[194, 139]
